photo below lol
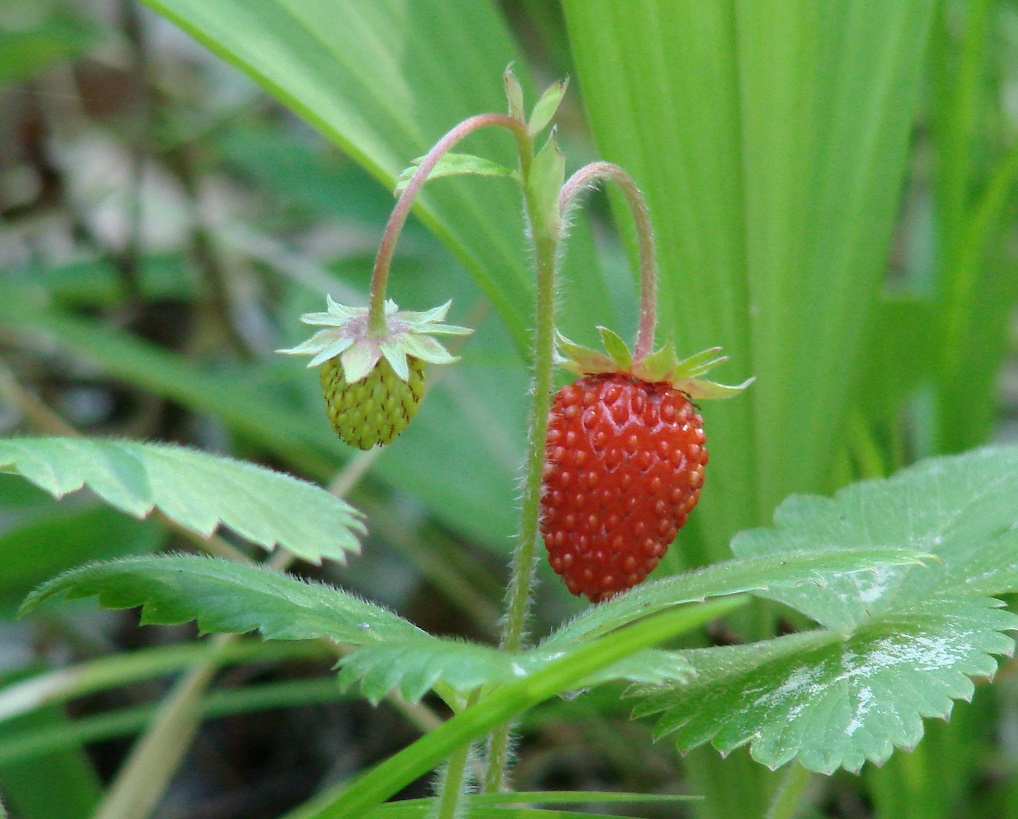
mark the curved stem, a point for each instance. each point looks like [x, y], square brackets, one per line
[585, 178]
[387, 247]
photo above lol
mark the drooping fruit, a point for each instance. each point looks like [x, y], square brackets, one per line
[373, 380]
[374, 410]
[624, 463]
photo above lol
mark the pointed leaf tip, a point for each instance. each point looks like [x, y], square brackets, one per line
[546, 107]
[513, 93]
[616, 348]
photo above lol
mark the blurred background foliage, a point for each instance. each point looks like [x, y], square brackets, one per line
[833, 187]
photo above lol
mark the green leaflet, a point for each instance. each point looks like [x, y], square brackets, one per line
[228, 597]
[454, 164]
[396, 655]
[197, 490]
[899, 644]
[831, 701]
[367, 75]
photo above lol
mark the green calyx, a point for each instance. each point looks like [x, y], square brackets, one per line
[347, 335]
[663, 365]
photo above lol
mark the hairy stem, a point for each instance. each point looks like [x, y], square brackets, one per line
[452, 782]
[387, 247]
[592, 174]
[520, 594]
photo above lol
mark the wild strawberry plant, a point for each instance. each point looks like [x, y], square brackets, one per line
[894, 583]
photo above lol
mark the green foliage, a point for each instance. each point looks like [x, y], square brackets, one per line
[226, 596]
[31, 41]
[42, 539]
[27, 784]
[229, 597]
[897, 645]
[265, 507]
[773, 144]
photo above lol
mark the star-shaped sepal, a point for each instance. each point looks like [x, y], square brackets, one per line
[663, 365]
[373, 378]
[346, 334]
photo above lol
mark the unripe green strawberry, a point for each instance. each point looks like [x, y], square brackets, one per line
[373, 380]
[375, 409]
[624, 462]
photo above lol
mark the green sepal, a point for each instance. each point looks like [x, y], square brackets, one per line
[547, 173]
[662, 365]
[701, 362]
[453, 164]
[616, 348]
[547, 106]
[513, 93]
[581, 360]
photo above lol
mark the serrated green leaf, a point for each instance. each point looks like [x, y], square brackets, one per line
[900, 644]
[378, 784]
[752, 574]
[197, 490]
[227, 597]
[962, 509]
[414, 666]
[834, 702]
[453, 164]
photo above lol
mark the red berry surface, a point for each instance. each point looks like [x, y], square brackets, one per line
[624, 464]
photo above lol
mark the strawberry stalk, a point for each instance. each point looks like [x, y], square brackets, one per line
[588, 176]
[545, 220]
[400, 213]
[547, 237]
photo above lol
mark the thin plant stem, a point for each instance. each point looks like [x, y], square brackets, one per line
[400, 213]
[521, 585]
[789, 793]
[520, 588]
[585, 178]
[454, 776]
[145, 775]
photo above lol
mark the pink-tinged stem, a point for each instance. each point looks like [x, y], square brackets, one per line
[588, 176]
[387, 247]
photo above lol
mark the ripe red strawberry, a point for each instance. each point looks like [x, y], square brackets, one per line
[624, 464]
